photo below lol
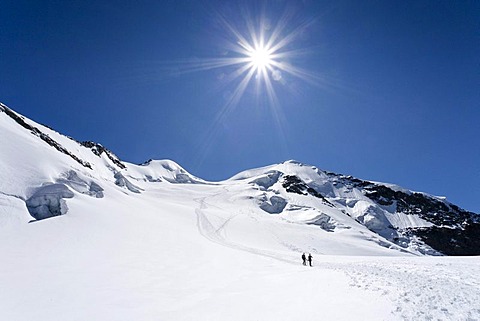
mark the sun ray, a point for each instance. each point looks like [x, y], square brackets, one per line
[261, 48]
[260, 54]
[237, 94]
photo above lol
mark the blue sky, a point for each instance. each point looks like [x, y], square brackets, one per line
[393, 91]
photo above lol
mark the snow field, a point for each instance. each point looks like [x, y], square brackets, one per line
[149, 248]
[131, 260]
[183, 253]
[428, 288]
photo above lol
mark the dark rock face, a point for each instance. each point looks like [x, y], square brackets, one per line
[430, 209]
[98, 150]
[47, 139]
[455, 231]
[456, 241]
[293, 184]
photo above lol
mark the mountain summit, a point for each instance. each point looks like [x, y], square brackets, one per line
[45, 170]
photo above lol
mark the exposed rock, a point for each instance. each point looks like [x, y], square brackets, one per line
[47, 139]
[293, 184]
[454, 231]
[98, 150]
[428, 208]
[452, 241]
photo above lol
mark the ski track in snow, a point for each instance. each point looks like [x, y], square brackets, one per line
[411, 287]
[207, 230]
[122, 256]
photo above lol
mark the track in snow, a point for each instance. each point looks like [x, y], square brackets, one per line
[207, 230]
[421, 289]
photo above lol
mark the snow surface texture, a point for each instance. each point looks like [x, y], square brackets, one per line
[153, 242]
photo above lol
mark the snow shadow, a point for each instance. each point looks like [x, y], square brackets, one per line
[274, 205]
[48, 201]
[80, 185]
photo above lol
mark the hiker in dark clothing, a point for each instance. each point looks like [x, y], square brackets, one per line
[310, 259]
[304, 258]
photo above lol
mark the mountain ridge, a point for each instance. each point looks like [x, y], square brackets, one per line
[298, 193]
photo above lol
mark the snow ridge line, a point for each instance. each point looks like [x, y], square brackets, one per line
[46, 138]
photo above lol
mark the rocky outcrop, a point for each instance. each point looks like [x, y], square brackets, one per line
[293, 184]
[37, 132]
[454, 231]
[98, 150]
[451, 241]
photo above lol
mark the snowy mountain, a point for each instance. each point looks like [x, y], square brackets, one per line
[152, 241]
[396, 218]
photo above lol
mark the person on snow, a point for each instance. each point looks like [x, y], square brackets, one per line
[304, 258]
[310, 259]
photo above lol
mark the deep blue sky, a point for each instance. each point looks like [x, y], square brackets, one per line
[397, 98]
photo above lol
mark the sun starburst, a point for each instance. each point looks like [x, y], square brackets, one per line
[262, 52]
[256, 53]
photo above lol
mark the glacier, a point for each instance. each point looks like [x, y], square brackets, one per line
[154, 242]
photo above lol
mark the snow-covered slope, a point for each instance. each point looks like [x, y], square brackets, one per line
[307, 194]
[86, 236]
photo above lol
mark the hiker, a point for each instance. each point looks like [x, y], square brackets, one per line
[310, 259]
[304, 258]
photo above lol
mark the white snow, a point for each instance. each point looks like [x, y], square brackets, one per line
[180, 248]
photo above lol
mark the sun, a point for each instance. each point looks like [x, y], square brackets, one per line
[258, 52]
[260, 58]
